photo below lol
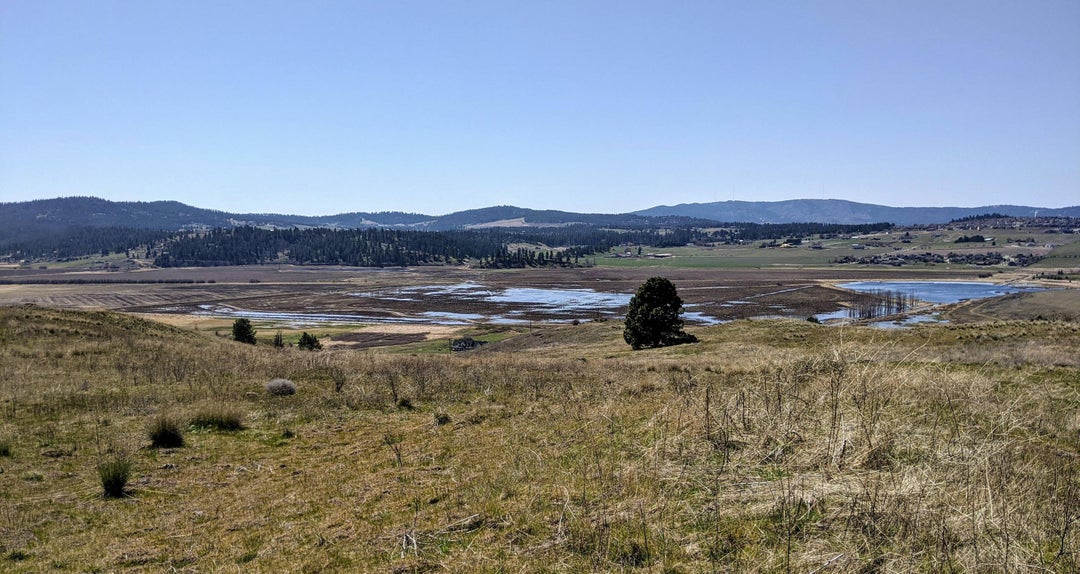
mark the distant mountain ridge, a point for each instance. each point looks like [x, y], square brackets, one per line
[30, 218]
[842, 211]
[44, 214]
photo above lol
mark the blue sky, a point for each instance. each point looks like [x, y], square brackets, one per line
[315, 107]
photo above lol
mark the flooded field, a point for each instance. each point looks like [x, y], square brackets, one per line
[923, 293]
[292, 297]
[940, 291]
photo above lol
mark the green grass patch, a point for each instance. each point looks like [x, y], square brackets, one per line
[220, 418]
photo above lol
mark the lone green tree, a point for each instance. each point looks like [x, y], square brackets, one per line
[243, 332]
[653, 317]
[309, 342]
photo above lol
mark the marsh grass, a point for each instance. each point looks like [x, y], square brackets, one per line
[769, 446]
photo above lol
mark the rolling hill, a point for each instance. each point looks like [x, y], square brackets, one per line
[841, 211]
[31, 219]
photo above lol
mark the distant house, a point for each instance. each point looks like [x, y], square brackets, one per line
[465, 344]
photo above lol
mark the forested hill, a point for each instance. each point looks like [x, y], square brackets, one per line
[47, 215]
[30, 219]
[381, 247]
[840, 211]
[499, 248]
[176, 234]
[172, 216]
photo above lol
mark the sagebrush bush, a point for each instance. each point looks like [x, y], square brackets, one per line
[219, 418]
[166, 432]
[114, 473]
[281, 387]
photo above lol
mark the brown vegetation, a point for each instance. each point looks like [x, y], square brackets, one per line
[768, 446]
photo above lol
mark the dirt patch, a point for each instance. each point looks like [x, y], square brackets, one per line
[1060, 305]
[369, 339]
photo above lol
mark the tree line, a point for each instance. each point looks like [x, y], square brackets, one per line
[79, 241]
[378, 247]
[556, 246]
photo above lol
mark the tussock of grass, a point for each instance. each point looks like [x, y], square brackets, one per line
[114, 472]
[218, 417]
[281, 387]
[166, 432]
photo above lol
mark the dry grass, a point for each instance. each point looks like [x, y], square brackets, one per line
[769, 446]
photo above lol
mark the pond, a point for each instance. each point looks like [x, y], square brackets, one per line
[932, 292]
[940, 292]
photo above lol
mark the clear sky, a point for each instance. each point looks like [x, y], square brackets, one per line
[319, 107]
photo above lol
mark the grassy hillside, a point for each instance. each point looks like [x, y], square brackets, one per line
[1064, 256]
[770, 446]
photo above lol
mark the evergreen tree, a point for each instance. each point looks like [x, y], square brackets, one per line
[652, 319]
[279, 342]
[309, 342]
[243, 332]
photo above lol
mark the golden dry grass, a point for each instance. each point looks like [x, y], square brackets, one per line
[770, 446]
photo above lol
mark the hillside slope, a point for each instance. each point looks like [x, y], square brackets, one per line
[769, 446]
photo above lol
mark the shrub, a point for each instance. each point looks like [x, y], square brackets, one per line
[5, 447]
[279, 341]
[441, 418]
[281, 387]
[309, 342]
[165, 432]
[114, 473]
[219, 418]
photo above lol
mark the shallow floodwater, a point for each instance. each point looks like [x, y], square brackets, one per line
[455, 304]
[535, 300]
[509, 306]
[908, 321]
[934, 292]
[939, 291]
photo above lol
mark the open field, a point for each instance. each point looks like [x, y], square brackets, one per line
[769, 446]
[1007, 242]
